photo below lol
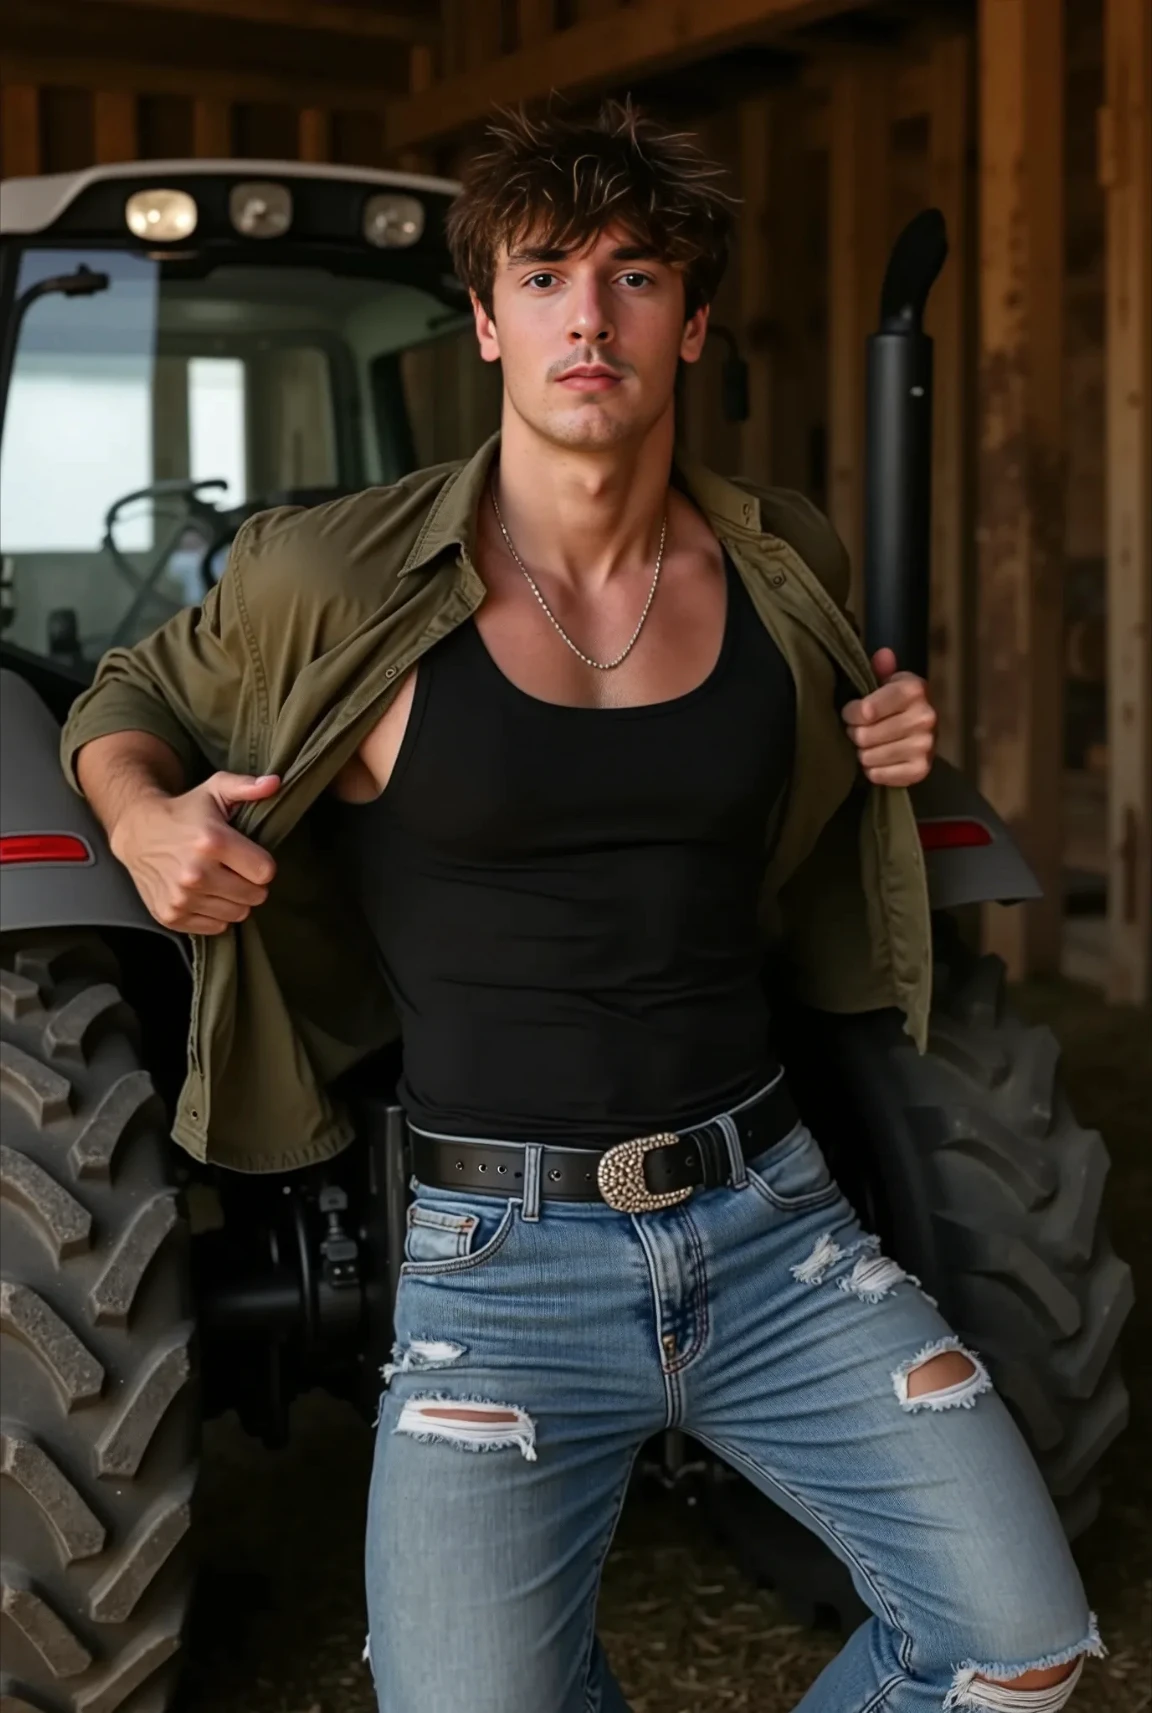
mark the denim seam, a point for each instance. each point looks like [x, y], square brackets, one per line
[793, 1204]
[700, 1289]
[881, 1694]
[731, 1455]
[464, 1263]
[601, 1559]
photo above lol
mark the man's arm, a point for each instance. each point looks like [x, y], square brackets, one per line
[154, 713]
[194, 872]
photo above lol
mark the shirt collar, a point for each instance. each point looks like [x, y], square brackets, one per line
[452, 522]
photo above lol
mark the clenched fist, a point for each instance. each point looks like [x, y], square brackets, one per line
[894, 728]
[194, 872]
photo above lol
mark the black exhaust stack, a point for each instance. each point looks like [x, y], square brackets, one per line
[898, 449]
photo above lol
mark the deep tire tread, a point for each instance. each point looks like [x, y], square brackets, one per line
[100, 1416]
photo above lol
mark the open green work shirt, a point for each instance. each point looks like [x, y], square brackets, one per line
[290, 662]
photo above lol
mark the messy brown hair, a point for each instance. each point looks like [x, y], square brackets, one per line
[560, 181]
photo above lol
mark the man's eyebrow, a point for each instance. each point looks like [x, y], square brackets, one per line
[547, 253]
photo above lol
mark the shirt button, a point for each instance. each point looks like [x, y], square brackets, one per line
[776, 579]
[390, 672]
[748, 514]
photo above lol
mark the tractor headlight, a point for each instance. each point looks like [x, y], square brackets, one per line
[393, 222]
[162, 216]
[260, 209]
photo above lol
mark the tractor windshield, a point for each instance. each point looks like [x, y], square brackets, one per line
[151, 408]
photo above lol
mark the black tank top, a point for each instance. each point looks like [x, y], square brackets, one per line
[564, 899]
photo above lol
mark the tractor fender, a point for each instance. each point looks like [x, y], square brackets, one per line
[969, 854]
[35, 798]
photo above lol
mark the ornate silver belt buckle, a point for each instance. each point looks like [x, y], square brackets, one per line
[620, 1176]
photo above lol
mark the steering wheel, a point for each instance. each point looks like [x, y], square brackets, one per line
[143, 582]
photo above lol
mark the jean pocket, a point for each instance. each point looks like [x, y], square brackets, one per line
[793, 1174]
[451, 1235]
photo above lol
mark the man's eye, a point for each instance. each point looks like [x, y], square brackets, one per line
[543, 280]
[635, 280]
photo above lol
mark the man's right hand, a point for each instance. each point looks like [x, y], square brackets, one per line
[195, 873]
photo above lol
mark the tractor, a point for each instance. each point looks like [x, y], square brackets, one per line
[186, 343]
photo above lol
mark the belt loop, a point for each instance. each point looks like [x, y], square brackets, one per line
[533, 1159]
[736, 1163]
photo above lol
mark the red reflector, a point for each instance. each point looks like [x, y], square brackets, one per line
[43, 847]
[953, 835]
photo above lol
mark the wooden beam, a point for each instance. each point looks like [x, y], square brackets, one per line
[1126, 172]
[345, 20]
[858, 175]
[481, 27]
[535, 19]
[637, 40]
[115, 126]
[950, 142]
[20, 131]
[775, 300]
[1020, 522]
[315, 134]
[275, 88]
[211, 130]
[757, 268]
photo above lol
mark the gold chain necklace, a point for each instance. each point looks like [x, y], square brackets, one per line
[600, 665]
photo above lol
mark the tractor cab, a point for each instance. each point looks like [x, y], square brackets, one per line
[188, 343]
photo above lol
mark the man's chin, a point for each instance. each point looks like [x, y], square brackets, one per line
[592, 430]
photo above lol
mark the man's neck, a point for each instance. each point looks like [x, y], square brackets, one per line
[578, 514]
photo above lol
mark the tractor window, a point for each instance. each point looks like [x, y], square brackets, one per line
[152, 407]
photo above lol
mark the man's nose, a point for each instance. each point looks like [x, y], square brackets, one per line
[588, 319]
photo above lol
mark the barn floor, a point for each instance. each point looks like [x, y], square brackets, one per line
[279, 1626]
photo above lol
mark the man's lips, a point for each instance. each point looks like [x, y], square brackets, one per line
[589, 378]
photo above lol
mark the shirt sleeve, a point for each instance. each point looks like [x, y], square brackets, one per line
[194, 683]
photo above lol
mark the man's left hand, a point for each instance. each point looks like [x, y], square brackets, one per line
[894, 727]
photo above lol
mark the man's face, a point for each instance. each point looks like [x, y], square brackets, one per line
[589, 342]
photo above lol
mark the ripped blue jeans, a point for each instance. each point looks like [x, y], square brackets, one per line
[540, 1344]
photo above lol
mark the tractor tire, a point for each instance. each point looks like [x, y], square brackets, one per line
[100, 1422]
[970, 1163]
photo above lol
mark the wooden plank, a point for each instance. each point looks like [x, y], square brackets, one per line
[857, 250]
[220, 85]
[314, 141]
[20, 131]
[361, 21]
[535, 21]
[114, 122]
[757, 268]
[1020, 521]
[482, 32]
[636, 40]
[421, 68]
[774, 287]
[950, 141]
[1126, 170]
[211, 130]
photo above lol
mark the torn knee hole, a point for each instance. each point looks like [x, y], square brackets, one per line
[940, 1373]
[1045, 1689]
[942, 1376]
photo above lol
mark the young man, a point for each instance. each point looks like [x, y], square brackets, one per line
[599, 722]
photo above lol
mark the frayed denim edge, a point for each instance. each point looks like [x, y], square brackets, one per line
[959, 1694]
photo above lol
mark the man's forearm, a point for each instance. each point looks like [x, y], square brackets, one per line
[123, 769]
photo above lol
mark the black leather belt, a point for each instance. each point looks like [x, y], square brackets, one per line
[636, 1176]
